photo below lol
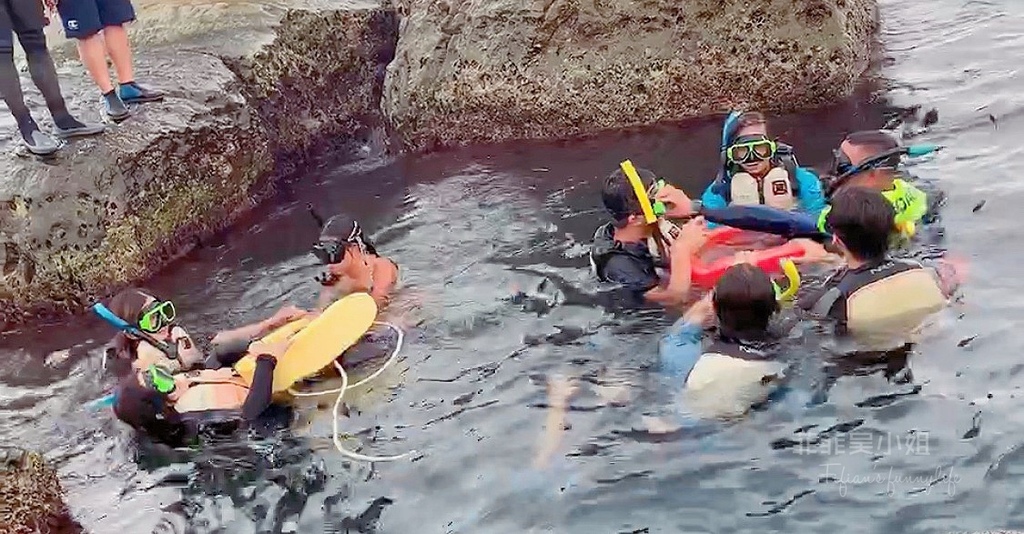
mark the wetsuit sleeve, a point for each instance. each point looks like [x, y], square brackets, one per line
[789, 224]
[812, 198]
[262, 388]
[712, 200]
[631, 274]
[680, 348]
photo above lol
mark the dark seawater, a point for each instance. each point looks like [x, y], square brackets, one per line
[497, 294]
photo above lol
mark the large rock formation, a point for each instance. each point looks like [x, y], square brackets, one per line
[490, 70]
[31, 497]
[253, 89]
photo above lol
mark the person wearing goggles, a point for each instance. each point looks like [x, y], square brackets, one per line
[757, 170]
[352, 263]
[871, 159]
[620, 252]
[165, 342]
[172, 407]
[874, 297]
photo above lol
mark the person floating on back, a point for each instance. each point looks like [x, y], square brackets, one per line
[26, 19]
[98, 25]
[759, 170]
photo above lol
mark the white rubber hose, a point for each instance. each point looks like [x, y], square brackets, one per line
[345, 387]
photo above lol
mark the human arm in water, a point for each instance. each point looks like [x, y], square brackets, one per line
[560, 390]
[681, 249]
[229, 346]
[754, 218]
[712, 199]
[337, 284]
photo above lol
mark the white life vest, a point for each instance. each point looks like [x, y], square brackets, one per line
[774, 190]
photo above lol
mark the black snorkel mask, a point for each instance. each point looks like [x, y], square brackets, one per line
[329, 251]
[335, 235]
[843, 169]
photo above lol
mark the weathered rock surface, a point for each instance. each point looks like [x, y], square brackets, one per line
[31, 496]
[246, 102]
[490, 70]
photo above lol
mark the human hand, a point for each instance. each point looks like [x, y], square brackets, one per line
[692, 237]
[273, 349]
[814, 252]
[285, 315]
[677, 204]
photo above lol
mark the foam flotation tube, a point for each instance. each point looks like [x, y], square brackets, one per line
[706, 274]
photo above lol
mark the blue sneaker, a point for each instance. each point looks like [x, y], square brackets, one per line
[133, 93]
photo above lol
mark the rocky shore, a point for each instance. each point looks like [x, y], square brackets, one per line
[257, 88]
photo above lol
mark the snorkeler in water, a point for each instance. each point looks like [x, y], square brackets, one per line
[160, 339]
[759, 170]
[352, 263]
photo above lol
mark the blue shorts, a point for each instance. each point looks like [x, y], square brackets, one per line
[85, 18]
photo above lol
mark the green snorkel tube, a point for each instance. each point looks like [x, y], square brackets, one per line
[792, 276]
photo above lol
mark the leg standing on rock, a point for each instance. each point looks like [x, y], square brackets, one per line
[26, 18]
[98, 25]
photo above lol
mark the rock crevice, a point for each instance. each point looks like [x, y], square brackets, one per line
[113, 209]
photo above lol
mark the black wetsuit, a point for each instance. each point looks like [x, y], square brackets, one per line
[148, 411]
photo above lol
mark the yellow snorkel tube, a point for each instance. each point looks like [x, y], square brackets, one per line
[641, 192]
[792, 275]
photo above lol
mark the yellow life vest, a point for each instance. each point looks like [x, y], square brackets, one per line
[774, 190]
[729, 379]
[222, 389]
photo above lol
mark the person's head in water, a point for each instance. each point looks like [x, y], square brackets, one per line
[750, 148]
[620, 200]
[861, 222]
[343, 244]
[860, 147]
[147, 312]
[148, 411]
[744, 300]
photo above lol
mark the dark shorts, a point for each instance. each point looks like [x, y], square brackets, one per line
[20, 16]
[85, 18]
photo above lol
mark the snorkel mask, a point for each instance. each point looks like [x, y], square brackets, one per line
[330, 249]
[843, 169]
[750, 148]
[159, 379]
[156, 316]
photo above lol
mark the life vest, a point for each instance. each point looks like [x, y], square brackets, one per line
[882, 302]
[784, 158]
[910, 203]
[775, 189]
[731, 377]
[605, 247]
[210, 390]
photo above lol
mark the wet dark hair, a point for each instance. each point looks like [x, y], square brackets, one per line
[618, 196]
[863, 220]
[346, 229]
[750, 118]
[877, 141]
[744, 301]
[147, 412]
[128, 304]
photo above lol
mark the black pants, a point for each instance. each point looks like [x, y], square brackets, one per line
[25, 18]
